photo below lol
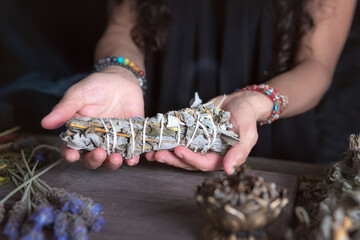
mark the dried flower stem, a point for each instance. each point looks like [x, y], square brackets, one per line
[31, 172]
[42, 146]
[9, 131]
[30, 180]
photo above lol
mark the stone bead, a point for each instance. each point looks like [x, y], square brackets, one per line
[120, 59]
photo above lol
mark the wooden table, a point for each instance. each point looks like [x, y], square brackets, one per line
[155, 201]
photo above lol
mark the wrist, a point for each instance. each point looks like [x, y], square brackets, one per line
[261, 104]
[278, 100]
[117, 63]
[122, 72]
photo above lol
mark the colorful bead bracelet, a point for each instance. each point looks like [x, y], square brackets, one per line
[279, 100]
[123, 62]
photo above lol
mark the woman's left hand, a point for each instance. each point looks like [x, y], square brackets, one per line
[246, 109]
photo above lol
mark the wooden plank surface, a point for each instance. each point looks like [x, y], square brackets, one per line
[288, 167]
[151, 200]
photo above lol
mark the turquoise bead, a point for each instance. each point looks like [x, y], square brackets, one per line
[276, 107]
[120, 59]
[267, 92]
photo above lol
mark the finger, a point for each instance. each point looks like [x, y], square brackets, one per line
[63, 111]
[94, 159]
[239, 152]
[171, 159]
[150, 156]
[235, 157]
[70, 155]
[203, 162]
[114, 161]
[133, 161]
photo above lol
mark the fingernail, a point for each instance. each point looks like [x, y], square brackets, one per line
[179, 155]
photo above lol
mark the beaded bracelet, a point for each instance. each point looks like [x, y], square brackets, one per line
[123, 62]
[279, 100]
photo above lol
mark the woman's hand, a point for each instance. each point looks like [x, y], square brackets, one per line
[114, 92]
[246, 109]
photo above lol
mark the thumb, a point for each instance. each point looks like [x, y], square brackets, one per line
[235, 157]
[63, 111]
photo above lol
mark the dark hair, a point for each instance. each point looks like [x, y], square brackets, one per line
[292, 21]
[153, 18]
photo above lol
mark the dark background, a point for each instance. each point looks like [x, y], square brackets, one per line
[46, 46]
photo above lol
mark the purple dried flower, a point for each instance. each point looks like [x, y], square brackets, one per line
[16, 217]
[78, 204]
[95, 209]
[97, 225]
[40, 156]
[79, 229]
[61, 225]
[58, 197]
[43, 215]
[34, 233]
[73, 205]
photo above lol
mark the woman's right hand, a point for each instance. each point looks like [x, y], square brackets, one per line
[114, 92]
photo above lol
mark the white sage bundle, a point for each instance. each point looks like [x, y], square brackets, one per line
[202, 127]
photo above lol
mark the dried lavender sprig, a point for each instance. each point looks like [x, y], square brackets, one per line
[43, 215]
[39, 147]
[78, 204]
[16, 217]
[31, 172]
[25, 175]
[61, 225]
[30, 180]
[78, 229]
[32, 233]
[13, 179]
[69, 226]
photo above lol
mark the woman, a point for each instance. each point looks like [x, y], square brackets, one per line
[302, 70]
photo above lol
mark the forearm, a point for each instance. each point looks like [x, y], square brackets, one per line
[304, 86]
[319, 51]
[117, 40]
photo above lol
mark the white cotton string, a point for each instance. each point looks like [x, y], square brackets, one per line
[107, 136]
[214, 131]
[114, 133]
[161, 131]
[144, 135]
[132, 137]
[206, 134]
[195, 130]
[178, 135]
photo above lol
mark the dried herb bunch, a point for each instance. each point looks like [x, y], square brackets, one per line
[330, 209]
[70, 215]
[240, 202]
[202, 127]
